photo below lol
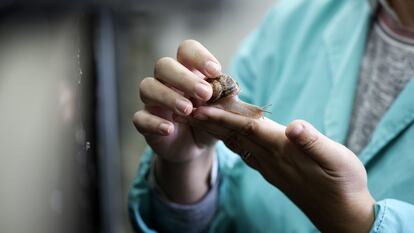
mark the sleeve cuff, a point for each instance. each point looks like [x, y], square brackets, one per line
[141, 195]
[184, 217]
[154, 186]
[393, 216]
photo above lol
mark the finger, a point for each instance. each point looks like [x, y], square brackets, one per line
[147, 123]
[239, 144]
[263, 131]
[215, 130]
[321, 149]
[248, 151]
[251, 153]
[154, 93]
[194, 55]
[170, 71]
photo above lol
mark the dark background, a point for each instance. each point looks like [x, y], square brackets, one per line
[69, 74]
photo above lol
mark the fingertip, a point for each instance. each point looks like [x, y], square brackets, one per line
[193, 54]
[295, 129]
[166, 128]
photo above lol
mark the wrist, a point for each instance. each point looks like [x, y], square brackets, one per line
[360, 216]
[353, 214]
[184, 182]
[365, 216]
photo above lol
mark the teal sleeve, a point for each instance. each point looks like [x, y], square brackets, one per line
[393, 216]
[140, 194]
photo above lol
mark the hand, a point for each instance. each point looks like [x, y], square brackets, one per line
[183, 154]
[176, 86]
[323, 178]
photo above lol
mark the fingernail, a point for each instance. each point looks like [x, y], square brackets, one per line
[212, 69]
[203, 91]
[183, 106]
[165, 128]
[200, 116]
[297, 130]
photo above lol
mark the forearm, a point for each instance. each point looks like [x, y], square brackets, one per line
[185, 182]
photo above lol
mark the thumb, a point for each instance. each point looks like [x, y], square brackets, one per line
[320, 148]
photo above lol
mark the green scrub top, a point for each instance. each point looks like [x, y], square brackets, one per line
[305, 60]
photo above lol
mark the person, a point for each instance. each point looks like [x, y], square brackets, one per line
[345, 68]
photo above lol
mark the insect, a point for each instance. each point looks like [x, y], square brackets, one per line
[225, 96]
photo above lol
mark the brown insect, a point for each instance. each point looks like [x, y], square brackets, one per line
[225, 96]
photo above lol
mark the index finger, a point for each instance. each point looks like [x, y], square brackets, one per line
[263, 130]
[194, 55]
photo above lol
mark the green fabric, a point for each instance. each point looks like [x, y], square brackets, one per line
[305, 60]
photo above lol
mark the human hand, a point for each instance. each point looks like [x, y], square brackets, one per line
[183, 155]
[323, 178]
[177, 87]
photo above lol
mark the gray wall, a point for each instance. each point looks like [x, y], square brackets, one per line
[45, 173]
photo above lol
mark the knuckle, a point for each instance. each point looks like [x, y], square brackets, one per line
[233, 142]
[310, 142]
[141, 122]
[137, 119]
[199, 57]
[220, 119]
[182, 74]
[144, 85]
[297, 122]
[162, 63]
[249, 127]
[185, 46]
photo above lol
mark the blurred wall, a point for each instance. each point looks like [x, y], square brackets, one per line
[48, 154]
[47, 169]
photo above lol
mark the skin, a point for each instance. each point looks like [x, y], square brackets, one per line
[324, 178]
[405, 12]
